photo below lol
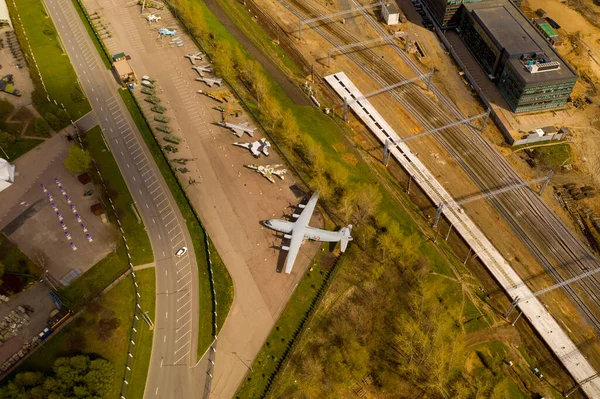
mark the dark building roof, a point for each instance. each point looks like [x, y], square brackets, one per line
[513, 33]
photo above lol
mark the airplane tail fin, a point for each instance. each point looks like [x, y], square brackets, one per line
[346, 237]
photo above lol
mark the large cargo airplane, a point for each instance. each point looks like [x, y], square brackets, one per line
[300, 230]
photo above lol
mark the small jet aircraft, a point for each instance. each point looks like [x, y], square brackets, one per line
[166, 32]
[268, 171]
[202, 69]
[256, 148]
[238, 128]
[7, 85]
[153, 18]
[297, 231]
[194, 56]
[210, 81]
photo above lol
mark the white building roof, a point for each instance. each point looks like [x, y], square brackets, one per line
[4, 15]
[7, 174]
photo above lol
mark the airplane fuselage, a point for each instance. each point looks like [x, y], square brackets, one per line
[311, 233]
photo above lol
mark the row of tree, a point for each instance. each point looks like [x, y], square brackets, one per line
[74, 377]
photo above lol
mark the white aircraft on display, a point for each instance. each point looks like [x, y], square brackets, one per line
[153, 18]
[194, 56]
[202, 69]
[238, 128]
[297, 231]
[166, 32]
[256, 148]
[210, 81]
[268, 171]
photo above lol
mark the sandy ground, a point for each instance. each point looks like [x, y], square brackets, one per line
[448, 173]
[30, 222]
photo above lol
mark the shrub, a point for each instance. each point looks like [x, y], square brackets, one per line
[42, 128]
[52, 121]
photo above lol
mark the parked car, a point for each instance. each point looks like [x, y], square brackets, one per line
[181, 251]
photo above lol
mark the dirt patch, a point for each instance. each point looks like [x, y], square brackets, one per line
[349, 159]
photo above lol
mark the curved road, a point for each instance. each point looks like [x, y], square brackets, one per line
[173, 359]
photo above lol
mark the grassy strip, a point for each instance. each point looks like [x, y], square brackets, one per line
[135, 232]
[284, 335]
[194, 226]
[146, 279]
[35, 29]
[92, 282]
[19, 147]
[81, 335]
[91, 29]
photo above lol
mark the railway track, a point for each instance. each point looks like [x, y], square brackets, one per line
[543, 233]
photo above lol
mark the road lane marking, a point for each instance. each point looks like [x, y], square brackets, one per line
[165, 338]
[166, 315]
[166, 272]
[183, 346]
[156, 392]
[186, 323]
[187, 274]
[184, 305]
[153, 221]
[178, 360]
[183, 296]
[146, 202]
[184, 334]
[160, 239]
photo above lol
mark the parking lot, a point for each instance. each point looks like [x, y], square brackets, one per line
[39, 305]
[32, 222]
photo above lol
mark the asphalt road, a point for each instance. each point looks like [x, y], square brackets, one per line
[175, 336]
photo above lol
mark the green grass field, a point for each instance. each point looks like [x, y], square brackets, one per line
[146, 280]
[222, 279]
[56, 69]
[20, 147]
[93, 281]
[81, 335]
[137, 238]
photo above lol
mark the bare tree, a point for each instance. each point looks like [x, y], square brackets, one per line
[39, 258]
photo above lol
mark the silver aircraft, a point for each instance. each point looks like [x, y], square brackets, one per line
[297, 231]
[238, 128]
[257, 147]
[210, 81]
[194, 56]
[202, 69]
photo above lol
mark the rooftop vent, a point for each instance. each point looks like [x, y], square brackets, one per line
[543, 67]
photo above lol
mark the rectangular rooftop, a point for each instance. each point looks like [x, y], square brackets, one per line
[512, 32]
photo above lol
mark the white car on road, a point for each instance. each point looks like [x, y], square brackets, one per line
[181, 251]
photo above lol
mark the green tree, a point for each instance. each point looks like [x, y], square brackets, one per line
[6, 138]
[42, 128]
[63, 117]
[52, 121]
[1, 272]
[289, 129]
[223, 61]
[78, 161]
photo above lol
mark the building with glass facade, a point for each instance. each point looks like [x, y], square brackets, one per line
[447, 12]
[528, 71]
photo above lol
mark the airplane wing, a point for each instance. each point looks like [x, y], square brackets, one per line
[295, 242]
[237, 132]
[298, 232]
[308, 210]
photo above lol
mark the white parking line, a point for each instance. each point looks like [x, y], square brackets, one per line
[186, 323]
[183, 268]
[171, 221]
[184, 335]
[152, 192]
[184, 305]
[185, 314]
[170, 212]
[187, 274]
[182, 259]
[183, 296]
[176, 237]
[159, 194]
[184, 345]
[170, 231]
